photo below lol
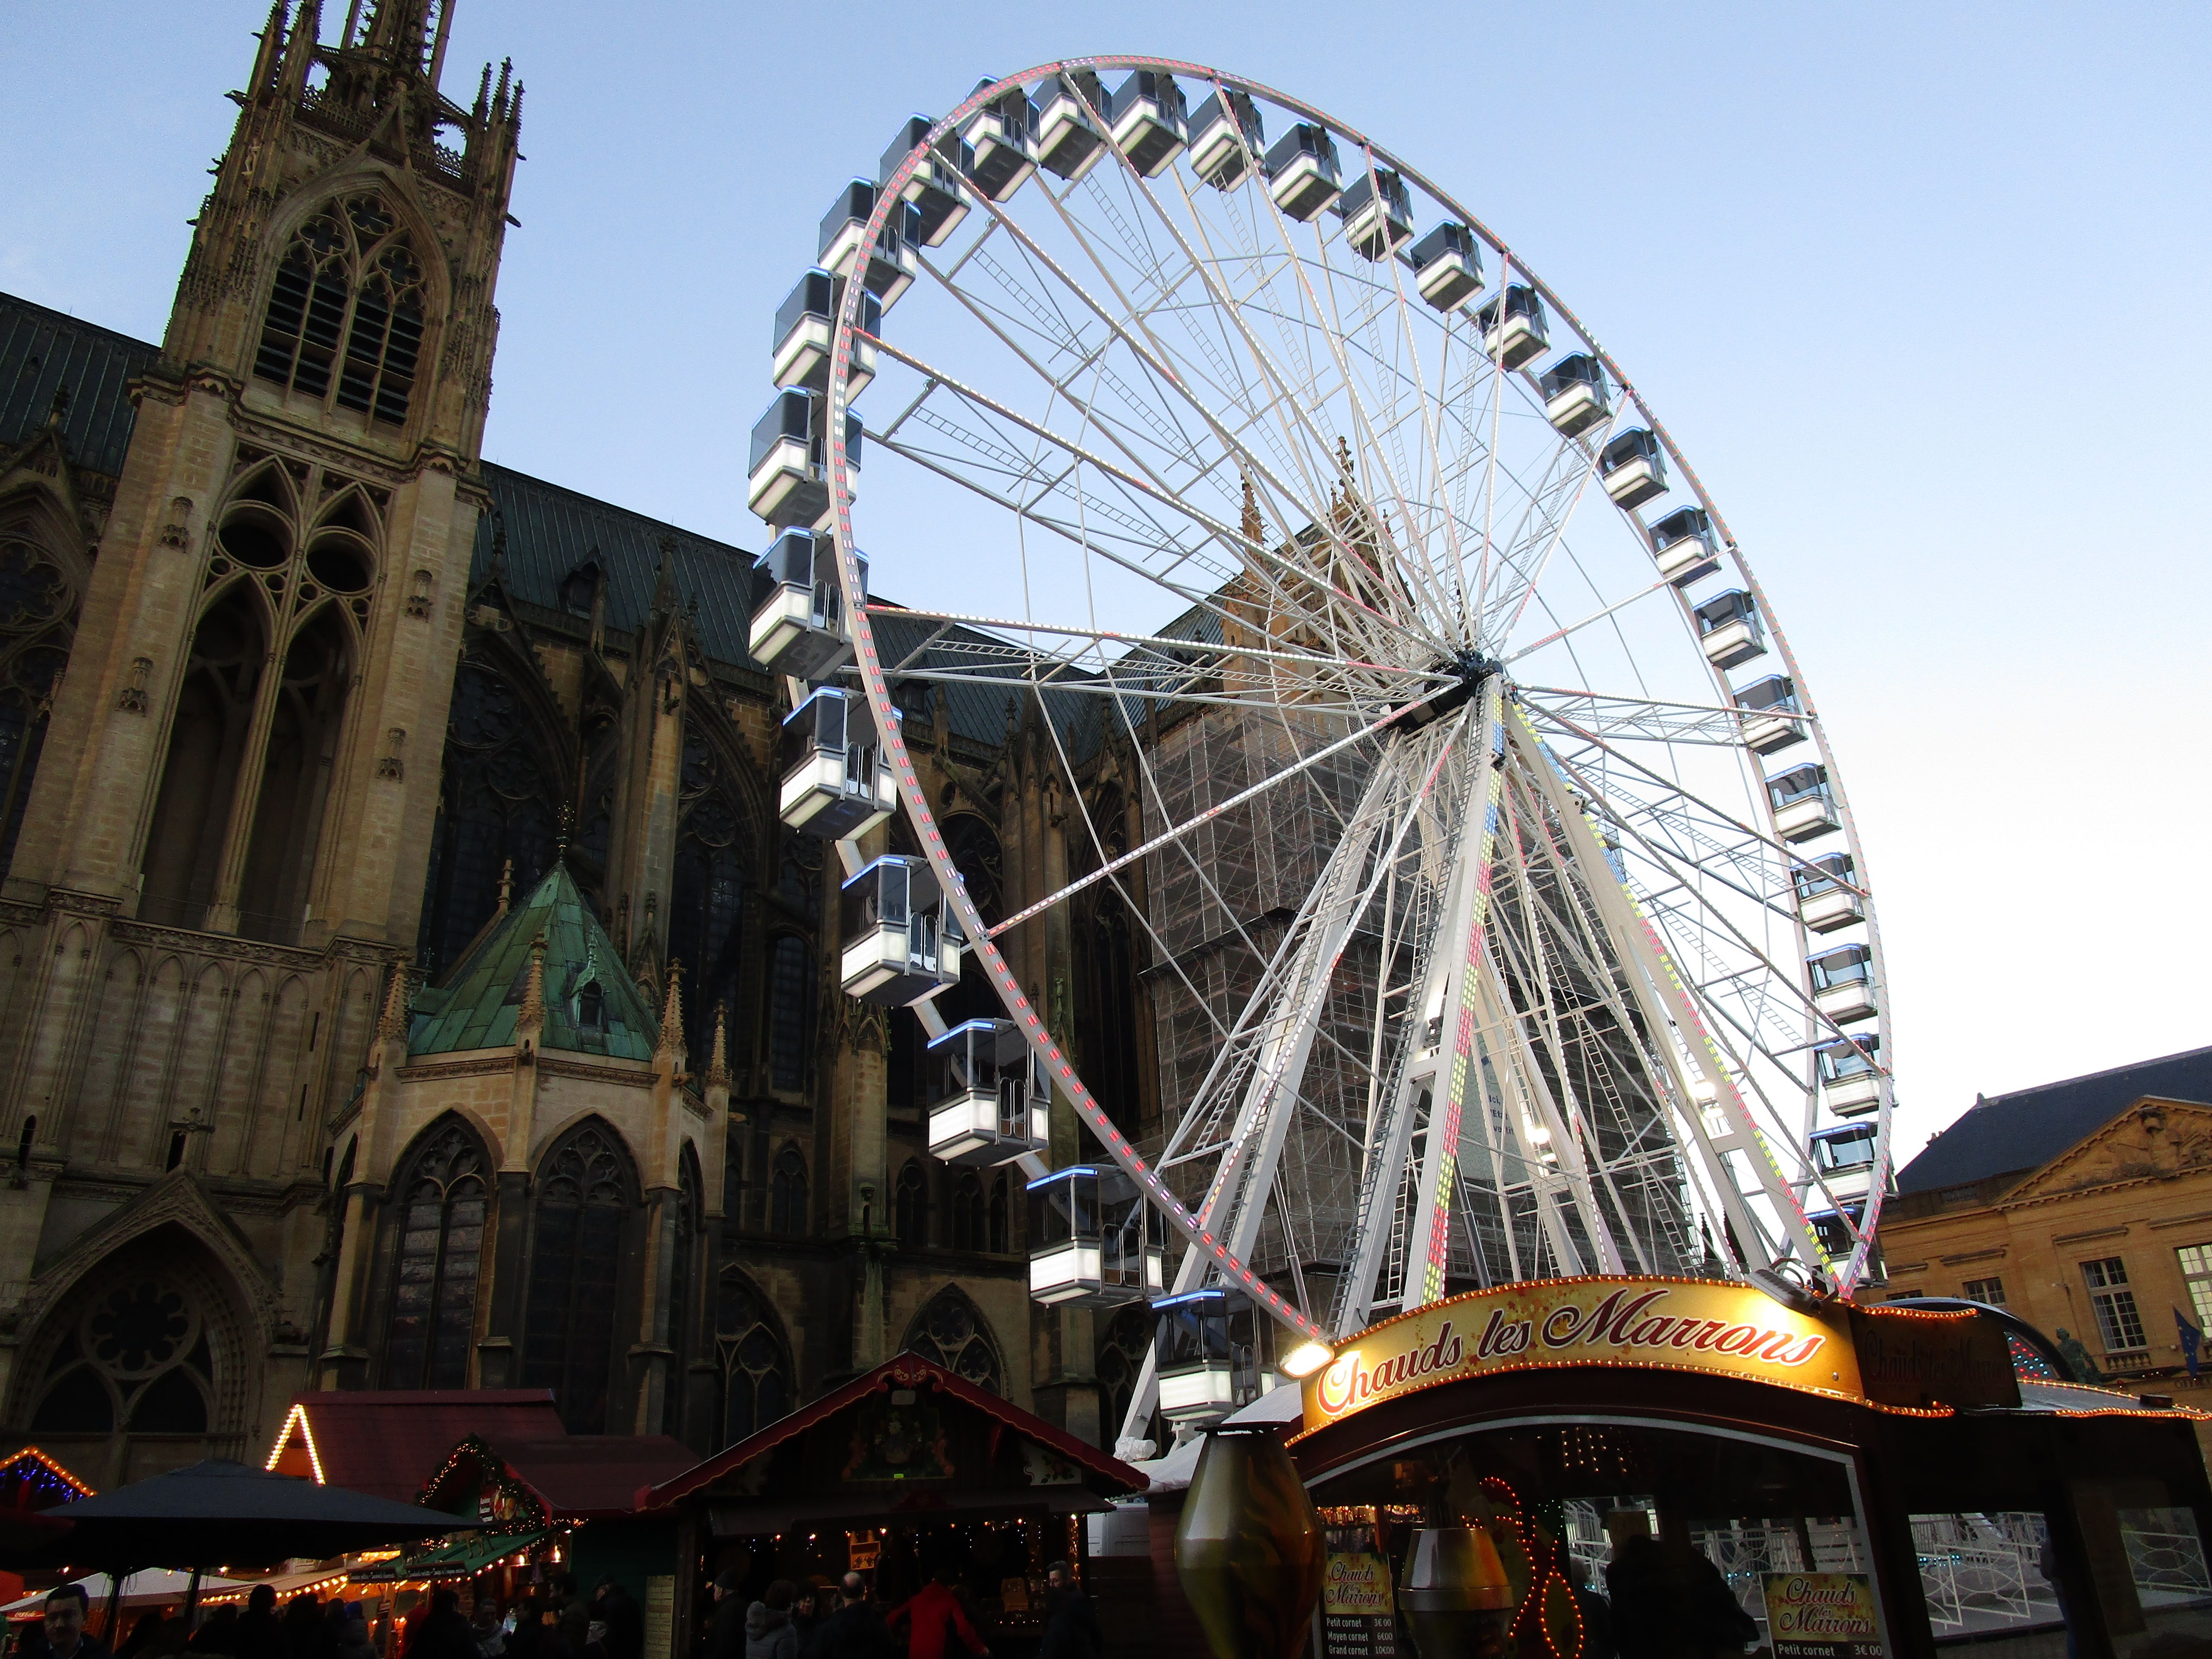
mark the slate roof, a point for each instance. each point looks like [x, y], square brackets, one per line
[538, 533]
[388, 1442]
[2028, 1127]
[476, 1007]
[550, 530]
[41, 350]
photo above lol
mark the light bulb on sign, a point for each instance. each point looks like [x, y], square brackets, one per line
[1305, 1359]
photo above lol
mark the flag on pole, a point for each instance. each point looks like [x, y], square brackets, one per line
[2191, 1340]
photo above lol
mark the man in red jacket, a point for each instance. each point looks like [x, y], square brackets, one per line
[934, 1619]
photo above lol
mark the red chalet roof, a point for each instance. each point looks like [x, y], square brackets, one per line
[576, 1477]
[388, 1443]
[903, 1371]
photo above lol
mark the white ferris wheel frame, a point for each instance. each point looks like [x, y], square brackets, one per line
[1209, 1252]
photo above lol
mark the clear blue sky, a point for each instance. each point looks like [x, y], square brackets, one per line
[1922, 290]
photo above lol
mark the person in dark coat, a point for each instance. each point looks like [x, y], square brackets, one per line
[1669, 1602]
[770, 1633]
[260, 1634]
[1071, 1623]
[303, 1626]
[218, 1635]
[64, 1632]
[145, 1635]
[443, 1632]
[616, 1608]
[726, 1630]
[856, 1630]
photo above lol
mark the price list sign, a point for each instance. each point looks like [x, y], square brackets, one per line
[1359, 1613]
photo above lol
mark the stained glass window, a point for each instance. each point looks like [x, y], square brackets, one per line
[950, 1331]
[438, 1262]
[584, 1194]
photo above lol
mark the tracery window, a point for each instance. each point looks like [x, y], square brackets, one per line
[500, 803]
[288, 579]
[755, 1361]
[910, 1208]
[681, 1319]
[137, 1360]
[38, 616]
[786, 1193]
[789, 990]
[950, 1331]
[970, 1223]
[1106, 991]
[586, 1191]
[345, 316]
[1001, 1208]
[437, 1262]
[1123, 1345]
[707, 901]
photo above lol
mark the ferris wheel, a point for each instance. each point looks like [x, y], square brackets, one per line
[1501, 912]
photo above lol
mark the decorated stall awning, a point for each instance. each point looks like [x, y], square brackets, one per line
[29, 1480]
[527, 1485]
[383, 1442]
[464, 1559]
[908, 1440]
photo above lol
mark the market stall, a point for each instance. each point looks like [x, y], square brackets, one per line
[904, 1471]
[1562, 1465]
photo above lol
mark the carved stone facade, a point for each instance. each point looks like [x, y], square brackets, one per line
[306, 716]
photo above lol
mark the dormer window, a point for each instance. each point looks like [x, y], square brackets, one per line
[591, 1010]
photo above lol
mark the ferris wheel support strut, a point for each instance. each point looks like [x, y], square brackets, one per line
[1660, 993]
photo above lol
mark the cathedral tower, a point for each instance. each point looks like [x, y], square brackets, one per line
[227, 849]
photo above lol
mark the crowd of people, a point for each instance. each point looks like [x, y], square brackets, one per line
[556, 1623]
[845, 1622]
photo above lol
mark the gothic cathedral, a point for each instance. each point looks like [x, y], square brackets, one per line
[408, 983]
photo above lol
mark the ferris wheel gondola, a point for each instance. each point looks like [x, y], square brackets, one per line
[1481, 944]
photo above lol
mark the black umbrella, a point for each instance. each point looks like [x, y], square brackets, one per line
[220, 1513]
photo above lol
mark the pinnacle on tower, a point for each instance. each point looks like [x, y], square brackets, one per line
[392, 1027]
[672, 1015]
[532, 1011]
[718, 1061]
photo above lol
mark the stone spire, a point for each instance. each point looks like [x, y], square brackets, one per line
[393, 1024]
[718, 1062]
[672, 1019]
[532, 1011]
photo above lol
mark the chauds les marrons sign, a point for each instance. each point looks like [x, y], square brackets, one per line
[1698, 1325]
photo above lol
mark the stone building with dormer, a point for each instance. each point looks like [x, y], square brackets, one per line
[2084, 1205]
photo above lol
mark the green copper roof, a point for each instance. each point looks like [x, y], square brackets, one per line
[477, 1007]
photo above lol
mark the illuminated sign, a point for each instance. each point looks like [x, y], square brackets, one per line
[1676, 1324]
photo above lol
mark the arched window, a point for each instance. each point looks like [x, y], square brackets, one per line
[788, 987]
[207, 745]
[1122, 1345]
[683, 1320]
[755, 1361]
[500, 805]
[707, 902]
[786, 1193]
[586, 1192]
[970, 1220]
[910, 1208]
[137, 1360]
[345, 323]
[437, 1261]
[1107, 1033]
[952, 1333]
[37, 617]
[291, 568]
[1002, 1209]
